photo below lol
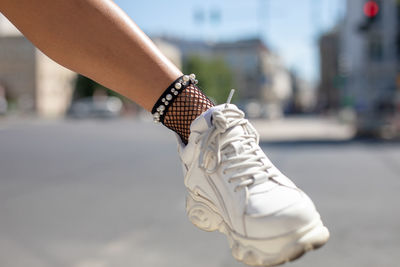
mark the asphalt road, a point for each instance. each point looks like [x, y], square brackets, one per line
[111, 193]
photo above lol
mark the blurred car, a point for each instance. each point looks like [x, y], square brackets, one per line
[382, 121]
[104, 107]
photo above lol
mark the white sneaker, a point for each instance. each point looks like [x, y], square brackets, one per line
[234, 188]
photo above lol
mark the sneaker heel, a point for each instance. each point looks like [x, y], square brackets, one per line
[201, 215]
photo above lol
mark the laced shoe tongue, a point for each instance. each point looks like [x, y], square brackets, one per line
[233, 149]
[236, 148]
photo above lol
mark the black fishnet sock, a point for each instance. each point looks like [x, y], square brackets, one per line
[187, 106]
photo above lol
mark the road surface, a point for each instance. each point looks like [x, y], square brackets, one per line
[110, 193]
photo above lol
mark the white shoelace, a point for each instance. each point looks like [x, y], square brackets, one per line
[246, 167]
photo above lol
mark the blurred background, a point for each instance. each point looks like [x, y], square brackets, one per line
[86, 180]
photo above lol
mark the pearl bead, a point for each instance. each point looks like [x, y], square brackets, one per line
[162, 108]
[166, 103]
[161, 112]
[192, 76]
[156, 115]
[163, 100]
[178, 86]
[168, 97]
[196, 81]
[172, 90]
[175, 93]
[185, 78]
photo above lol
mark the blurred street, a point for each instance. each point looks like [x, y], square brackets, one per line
[102, 193]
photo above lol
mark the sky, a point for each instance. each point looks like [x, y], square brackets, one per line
[289, 28]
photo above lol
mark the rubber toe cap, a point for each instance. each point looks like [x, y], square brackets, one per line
[278, 213]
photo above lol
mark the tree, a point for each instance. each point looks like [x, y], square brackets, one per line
[214, 75]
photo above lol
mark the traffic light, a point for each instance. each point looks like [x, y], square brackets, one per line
[371, 10]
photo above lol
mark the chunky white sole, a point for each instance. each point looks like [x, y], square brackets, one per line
[257, 252]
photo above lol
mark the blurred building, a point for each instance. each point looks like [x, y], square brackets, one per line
[328, 89]
[259, 75]
[369, 61]
[303, 98]
[33, 82]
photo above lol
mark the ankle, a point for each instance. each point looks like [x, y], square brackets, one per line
[180, 105]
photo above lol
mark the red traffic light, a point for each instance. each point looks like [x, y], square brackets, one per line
[371, 9]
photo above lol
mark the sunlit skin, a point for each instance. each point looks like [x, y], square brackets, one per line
[97, 39]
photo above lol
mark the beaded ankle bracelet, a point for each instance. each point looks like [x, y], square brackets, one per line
[170, 94]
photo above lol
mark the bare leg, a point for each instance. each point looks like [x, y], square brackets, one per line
[97, 39]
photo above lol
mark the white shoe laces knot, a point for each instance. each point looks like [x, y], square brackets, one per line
[245, 166]
[223, 122]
